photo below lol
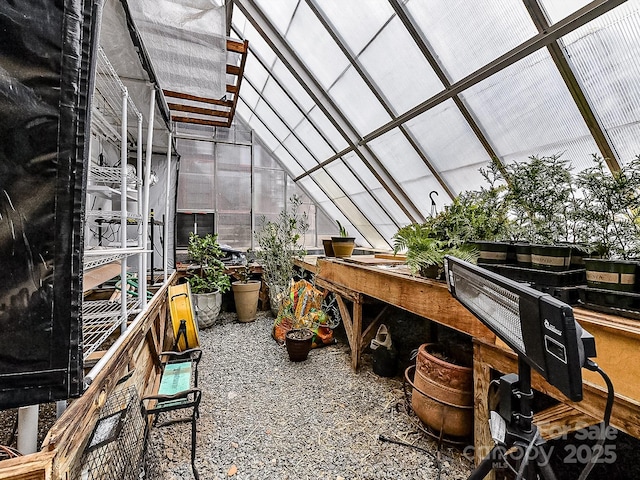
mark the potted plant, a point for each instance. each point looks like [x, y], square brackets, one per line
[343, 244]
[209, 281]
[543, 203]
[425, 253]
[246, 293]
[298, 343]
[280, 244]
[612, 217]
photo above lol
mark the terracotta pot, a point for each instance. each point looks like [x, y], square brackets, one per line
[298, 343]
[246, 296]
[442, 393]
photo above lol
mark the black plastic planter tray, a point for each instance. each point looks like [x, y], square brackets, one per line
[624, 304]
[540, 278]
[570, 295]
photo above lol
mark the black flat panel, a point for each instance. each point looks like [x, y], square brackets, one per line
[46, 55]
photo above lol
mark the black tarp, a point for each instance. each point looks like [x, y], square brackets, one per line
[46, 65]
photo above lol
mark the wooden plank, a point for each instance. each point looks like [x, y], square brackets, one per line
[194, 98]
[240, 76]
[235, 46]
[483, 443]
[99, 275]
[199, 110]
[35, 466]
[233, 70]
[339, 289]
[399, 258]
[73, 428]
[346, 319]
[426, 298]
[626, 411]
[356, 347]
[198, 121]
[560, 420]
[372, 260]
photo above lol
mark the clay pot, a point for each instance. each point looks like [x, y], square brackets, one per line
[442, 393]
[298, 343]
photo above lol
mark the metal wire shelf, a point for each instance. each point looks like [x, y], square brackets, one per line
[90, 262]
[95, 216]
[110, 176]
[100, 318]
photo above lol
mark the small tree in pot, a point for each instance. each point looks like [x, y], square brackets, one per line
[611, 215]
[209, 281]
[280, 244]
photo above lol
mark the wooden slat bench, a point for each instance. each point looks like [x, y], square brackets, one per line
[178, 391]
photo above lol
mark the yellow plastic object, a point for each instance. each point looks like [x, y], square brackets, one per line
[182, 311]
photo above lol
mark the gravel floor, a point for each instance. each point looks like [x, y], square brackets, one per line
[264, 417]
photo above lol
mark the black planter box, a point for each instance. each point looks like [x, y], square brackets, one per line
[540, 278]
[624, 304]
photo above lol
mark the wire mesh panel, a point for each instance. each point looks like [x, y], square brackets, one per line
[116, 444]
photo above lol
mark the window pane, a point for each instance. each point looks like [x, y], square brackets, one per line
[370, 16]
[235, 230]
[606, 57]
[284, 76]
[268, 117]
[447, 139]
[330, 132]
[269, 191]
[282, 103]
[559, 9]
[466, 35]
[312, 139]
[356, 101]
[308, 37]
[408, 169]
[404, 76]
[279, 12]
[527, 110]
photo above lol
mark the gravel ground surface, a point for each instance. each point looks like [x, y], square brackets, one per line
[264, 417]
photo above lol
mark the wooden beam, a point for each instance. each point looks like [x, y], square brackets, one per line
[560, 420]
[233, 70]
[232, 88]
[235, 46]
[35, 466]
[240, 77]
[427, 298]
[194, 98]
[199, 110]
[198, 121]
[626, 411]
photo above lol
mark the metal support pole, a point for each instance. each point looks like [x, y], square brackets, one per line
[166, 211]
[123, 211]
[28, 429]
[141, 239]
[145, 207]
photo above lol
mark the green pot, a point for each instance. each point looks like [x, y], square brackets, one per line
[618, 275]
[491, 253]
[554, 258]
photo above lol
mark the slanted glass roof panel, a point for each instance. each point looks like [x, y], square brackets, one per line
[289, 163]
[447, 139]
[466, 35]
[377, 190]
[254, 73]
[256, 42]
[354, 98]
[363, 197]
[269, 118]
[399, 69]
[299, 152]
[279, 100]
[606, 57]
[559, 9]
[371, 16]
[249, 94]
[254, 122]
[308, 134]
[279, 12]
[462, 179]
[315, 47]
[527, 110]
[408, 169]
[284, 77]
[328, 129]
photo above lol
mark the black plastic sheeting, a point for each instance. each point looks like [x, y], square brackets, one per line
[46, 69]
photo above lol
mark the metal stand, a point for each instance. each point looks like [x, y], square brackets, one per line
[521, 440]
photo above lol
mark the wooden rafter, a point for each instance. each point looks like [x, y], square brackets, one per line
[200, 107]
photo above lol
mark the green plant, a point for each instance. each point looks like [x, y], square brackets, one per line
[610, 212]
[542, 200]
[245, 271]
[424, 250]
[279, 245]
[342, 231]
[210, 275]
